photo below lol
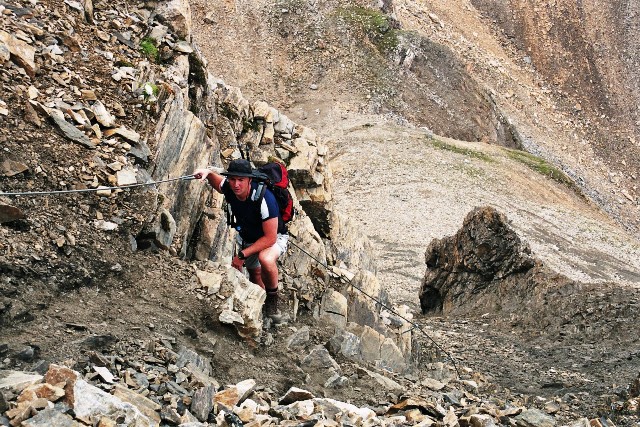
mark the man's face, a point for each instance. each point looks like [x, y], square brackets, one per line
[240, 185]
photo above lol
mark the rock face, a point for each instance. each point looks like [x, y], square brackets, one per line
[483, 257]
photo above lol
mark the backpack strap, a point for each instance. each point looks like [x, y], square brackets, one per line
[258, 194]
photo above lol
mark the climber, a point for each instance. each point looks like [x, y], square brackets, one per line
[262, 236]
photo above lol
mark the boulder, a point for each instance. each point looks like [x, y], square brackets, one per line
[484, 256]
[22, 53]
[176, 14]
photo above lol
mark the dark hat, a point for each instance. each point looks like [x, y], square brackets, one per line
[239, 167]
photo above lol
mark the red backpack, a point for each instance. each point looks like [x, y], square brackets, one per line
[275, 176]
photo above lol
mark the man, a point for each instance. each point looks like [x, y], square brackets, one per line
[262, 236]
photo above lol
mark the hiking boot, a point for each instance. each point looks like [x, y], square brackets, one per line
[271, 308]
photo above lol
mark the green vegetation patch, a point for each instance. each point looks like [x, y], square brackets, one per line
[459, 150]
[375, 24]
[149, 49]
[541, 166]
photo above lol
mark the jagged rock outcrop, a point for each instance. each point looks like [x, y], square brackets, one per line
[483, 258]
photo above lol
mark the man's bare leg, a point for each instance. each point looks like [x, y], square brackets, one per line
[255, 275]
[268, 261]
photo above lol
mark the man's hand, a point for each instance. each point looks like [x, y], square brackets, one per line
[237, 263]
[202, 174]
[211, 175]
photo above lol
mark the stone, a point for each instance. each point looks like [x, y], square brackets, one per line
[176, 14]
[3, 108]
[145, 405]
[202, 402]
[295, 394]
[333, 307]
[102, 115]
[247, 300]
[5, 54]
[158, 32]
[4, 405]
[22, 54]
[122, 131]
[193, 361]
[230, 317]
[183, 47]
[16, 381]
[163, 229]
[385, 382]
[88, 95]
[104, 374]
[11, 167]
[305, 133]
[268, 134]
[126, 176]
[345, 343]
[299, 337]
[534, 418]
[68, 130]
[41, 391]
[261, 110]
[362, 309]
[91, 402]
[481, 420]
[336, 381]
[170, 415]
[283, 125]
[105, 225]
[209, 280]
[319, 358]
[302, 167]
[234, 395]
[433, 384]
[10, 213]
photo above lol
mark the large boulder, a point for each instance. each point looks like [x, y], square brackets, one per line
[484, 257]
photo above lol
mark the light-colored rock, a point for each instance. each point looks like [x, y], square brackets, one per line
[333, 307]
[90, 403]
[21, 53]
[299, 337]
[230, 317]
[145, 405]
[302, 167]
[127, 134]
[385, 382]
[261, 110]
[234, 395]
[103, 116]
[210, 280]
[183, 47]
[176, 14]
[247, 300]
[126, 176]
[295, 394]
[481, 420]
[17, 381]
[319, 358]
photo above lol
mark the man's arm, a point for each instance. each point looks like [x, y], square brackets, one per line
[270, 230]
[211, 176]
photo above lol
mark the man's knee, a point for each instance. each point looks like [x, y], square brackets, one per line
[268, 258]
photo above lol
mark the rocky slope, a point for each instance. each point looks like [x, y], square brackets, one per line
[123, 285]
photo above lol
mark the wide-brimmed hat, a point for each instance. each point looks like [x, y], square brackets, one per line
[239, 167]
